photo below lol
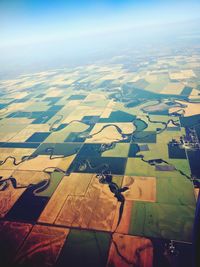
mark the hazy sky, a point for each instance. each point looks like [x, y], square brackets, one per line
[42, 27]
[38, 20]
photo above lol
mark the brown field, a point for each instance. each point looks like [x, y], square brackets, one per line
[12, 236]
[8, 199]
[42, 247]
[140, 188]
[128, 251]
[123, 227]
[76, 185]
[95, 210]
[25, 178]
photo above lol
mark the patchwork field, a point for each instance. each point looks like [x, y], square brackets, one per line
[98, 164]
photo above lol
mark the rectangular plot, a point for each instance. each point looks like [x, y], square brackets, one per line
[19, 145]
[140, 188]
[8, 198]
[122, 221]
[163, 221]
[12, 236]
[137, 167]
[97, 164]
[75, 184]
[95, 210]
[128, 251]
[76, 253]
[42, 247]
[38, 137]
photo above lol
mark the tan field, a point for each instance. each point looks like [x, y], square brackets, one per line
[82, 111]
[134, 251]
[5, 151]
[110, 133]
[182, 75]
[106, 113]
[151, 78]
[8, 198]
[28, 132]
[123, 227]
[195, 94]
[39, 163]
[132, 78]
[5, 137]
[17, 106]
[112, 76]
[190, 110]
[24, 178]
[196, 193]
[17, 153]
[12, 128]
[8, 165]
[140, 188]
[94, 97]
[6, 173]
[109, 108]
[64, 163]
[53, 92]
[173, 88]
[90, 111]
[95, 210]
[76, 185]
[21, 95]
[24, 121]
[88, 213]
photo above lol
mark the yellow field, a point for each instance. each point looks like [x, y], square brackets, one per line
[190, 110]
[109, 134]
[74, 185]
[182, 75]
[140, 188]
[94, 210]
[173, 88]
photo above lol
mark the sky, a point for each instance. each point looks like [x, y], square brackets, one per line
[44, 27]
[36, 21]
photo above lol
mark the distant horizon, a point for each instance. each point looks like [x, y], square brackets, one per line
[37, 33]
